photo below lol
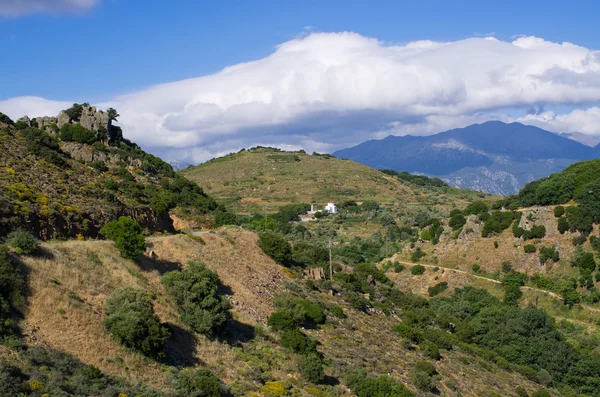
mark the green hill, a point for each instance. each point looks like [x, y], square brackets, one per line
[263, 179]
[63, 185]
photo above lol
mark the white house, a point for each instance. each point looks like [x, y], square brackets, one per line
[331, 208]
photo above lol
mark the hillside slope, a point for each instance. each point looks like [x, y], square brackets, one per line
[494, 157]
[58, 186]
[71, 282]
[263, 179]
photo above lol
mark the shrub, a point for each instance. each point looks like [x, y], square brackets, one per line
[430, 350]
[563, 225]
[276, 247]
[437, 289]
[584, 260]
[23, 241]
[579, 240]
[424, 382]
[410, 333]
[195, 290]
[417, 270]
[76, 133]
[475, 208]
[457, 221]
[541, 393]
[296, 341]
[417, 255]
[12, 292]
[311, 368]
[529, 248]
[476, 268]
[132, 321]
[521, 392]
[559, 211]
[426, 367]
[99, 166]
[538, 231]
[337, 311]
[497, 222]
[127, 235]
[199, 382]
[549, 253]
[283, 320]
[383, 386]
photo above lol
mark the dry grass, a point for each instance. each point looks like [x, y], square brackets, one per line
[71, 284]
[262, 180]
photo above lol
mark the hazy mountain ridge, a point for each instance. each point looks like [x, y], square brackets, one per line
[494, 157]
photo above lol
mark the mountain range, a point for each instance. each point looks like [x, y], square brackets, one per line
[493, 157]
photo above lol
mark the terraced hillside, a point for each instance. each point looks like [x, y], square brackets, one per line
[263, 179]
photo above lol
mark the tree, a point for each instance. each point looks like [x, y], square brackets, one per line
[200, 382]
[132, 321]
[127, 235]
[195, 290]
[112, 114]
[563, 225]
[276, 247]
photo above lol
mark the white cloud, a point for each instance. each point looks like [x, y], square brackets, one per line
[15, 8]
[329, 90]
[586, 121]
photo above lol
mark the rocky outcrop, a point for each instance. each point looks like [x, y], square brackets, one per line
[472, 229]
[46, 121]
[314, 273]
[539, 216]
[26, 120]
[88, 154]
[93, 119]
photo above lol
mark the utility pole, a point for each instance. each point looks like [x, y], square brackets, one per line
[330, 262]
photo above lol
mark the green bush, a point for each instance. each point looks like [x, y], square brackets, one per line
[549, 253]
[311, 368]
[283, 320]
[132, 321]
[595, 243]
[276, 247]
[127, 235]
[536, 232]
[337, 311]
[559, 211]
[541, 393]
[430, 350]
[476, 268]
[23, 241]
[12, 293]
[408, 332]
[579, 240]
[423, 381]
[296, 341]
[521, 392]
[529, 248]
[476, 208]
[584, 260]
[195, 290]
[199, 382]
[457, 221]
[76, 133]
[383, 386]
[417, 255]
[417, 270]
[563, 225]
[426, 367]
[498, 222]
[437, 289]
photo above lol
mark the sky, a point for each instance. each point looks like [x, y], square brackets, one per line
[194, 80]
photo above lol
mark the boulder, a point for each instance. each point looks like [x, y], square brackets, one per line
[539, 216]
[472, 229]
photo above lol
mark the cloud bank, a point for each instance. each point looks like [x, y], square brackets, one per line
[16, 8]
[329, 90]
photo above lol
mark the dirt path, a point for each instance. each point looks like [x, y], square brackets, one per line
[550, 293]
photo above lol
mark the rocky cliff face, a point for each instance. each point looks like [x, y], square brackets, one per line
[91, 118]
[540, 216]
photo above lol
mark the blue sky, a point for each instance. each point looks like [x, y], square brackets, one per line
[124, 45]
[408, 67]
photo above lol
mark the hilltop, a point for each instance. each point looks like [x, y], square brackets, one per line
[68, 175]
[494, 157]
[264, 179]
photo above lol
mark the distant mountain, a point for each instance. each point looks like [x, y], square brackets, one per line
[588, 140]
[178, 165]
[494, 157]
